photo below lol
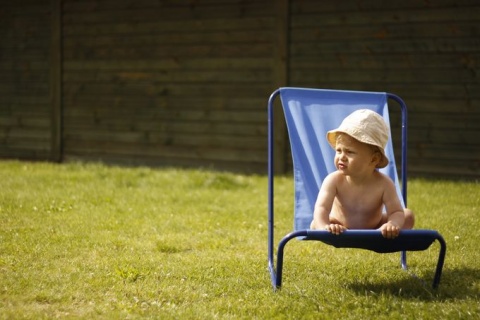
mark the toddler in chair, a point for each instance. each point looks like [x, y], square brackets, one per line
[353, 197]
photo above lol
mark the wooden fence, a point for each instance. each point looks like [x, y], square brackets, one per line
[186, 82]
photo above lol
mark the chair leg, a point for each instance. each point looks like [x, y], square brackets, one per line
[276, 272]
[403, 260]
[273, 275]
[441, 261]
[277, 282]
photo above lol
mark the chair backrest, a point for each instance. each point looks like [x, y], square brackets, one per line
[309, 114]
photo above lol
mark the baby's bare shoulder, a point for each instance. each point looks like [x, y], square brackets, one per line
[332, 181]
[383, 178]
[335, 177]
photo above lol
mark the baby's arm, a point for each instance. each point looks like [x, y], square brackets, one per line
[395, 213]
[323, 207]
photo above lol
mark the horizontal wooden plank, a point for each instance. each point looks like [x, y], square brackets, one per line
[388, 46]
[30, 31]
[391, 61]
[112, 5]
[14, 102]
[21, 4]
[35, 143]
[446, 120]
[196, 36]
[222, 10]
[8, 121]
[380, 32]
[150, 65]
[179, 127]
[24, 49]
[26, 152]
[354, 18]
[445, 136]
[24, 56]
[31, 149]
[418, 76]
[32, 89]
[96, 135]
[229, 89]
[247, 143]
[27, 121]
[178, 76]
[453, 155]
[21, 76]
[126, 118]
[415, 91]
[18, 133]
[156, 139]
[24, 108]
[456, 165]
[34, 86]
[465, 106]
[22, 65]
[24, 10]
[205, 102]
[165, 27]
[168, 51]
[314, 6]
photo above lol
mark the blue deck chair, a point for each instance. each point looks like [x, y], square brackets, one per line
[309, 114]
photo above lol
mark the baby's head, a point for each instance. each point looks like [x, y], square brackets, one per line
[365, 126]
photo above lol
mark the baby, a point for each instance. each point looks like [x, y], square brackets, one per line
[353, 197]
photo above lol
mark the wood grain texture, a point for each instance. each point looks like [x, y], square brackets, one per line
[186, 82]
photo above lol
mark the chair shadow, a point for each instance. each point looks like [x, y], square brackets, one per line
[458, 284]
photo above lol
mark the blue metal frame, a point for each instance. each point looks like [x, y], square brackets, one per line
[372, 237]
[403, 107]
[271, 174]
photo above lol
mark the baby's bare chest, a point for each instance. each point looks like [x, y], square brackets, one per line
[360, 199]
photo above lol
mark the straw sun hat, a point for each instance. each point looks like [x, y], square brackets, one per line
[365, 126]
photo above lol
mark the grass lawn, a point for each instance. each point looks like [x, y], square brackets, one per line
[97, 242]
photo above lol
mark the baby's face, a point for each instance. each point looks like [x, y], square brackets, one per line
[352, 155]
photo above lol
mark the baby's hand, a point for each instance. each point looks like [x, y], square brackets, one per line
[335, 228]
[390, 230]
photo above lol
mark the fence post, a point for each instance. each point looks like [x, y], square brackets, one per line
[280, 79]
[56, 81]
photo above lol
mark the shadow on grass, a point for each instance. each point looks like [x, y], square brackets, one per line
[458, 284]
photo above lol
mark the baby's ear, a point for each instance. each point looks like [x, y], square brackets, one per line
[376, 158]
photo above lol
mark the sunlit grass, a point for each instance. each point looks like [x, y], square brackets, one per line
[93, 241]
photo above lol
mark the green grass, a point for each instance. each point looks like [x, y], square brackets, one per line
[93, 241]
